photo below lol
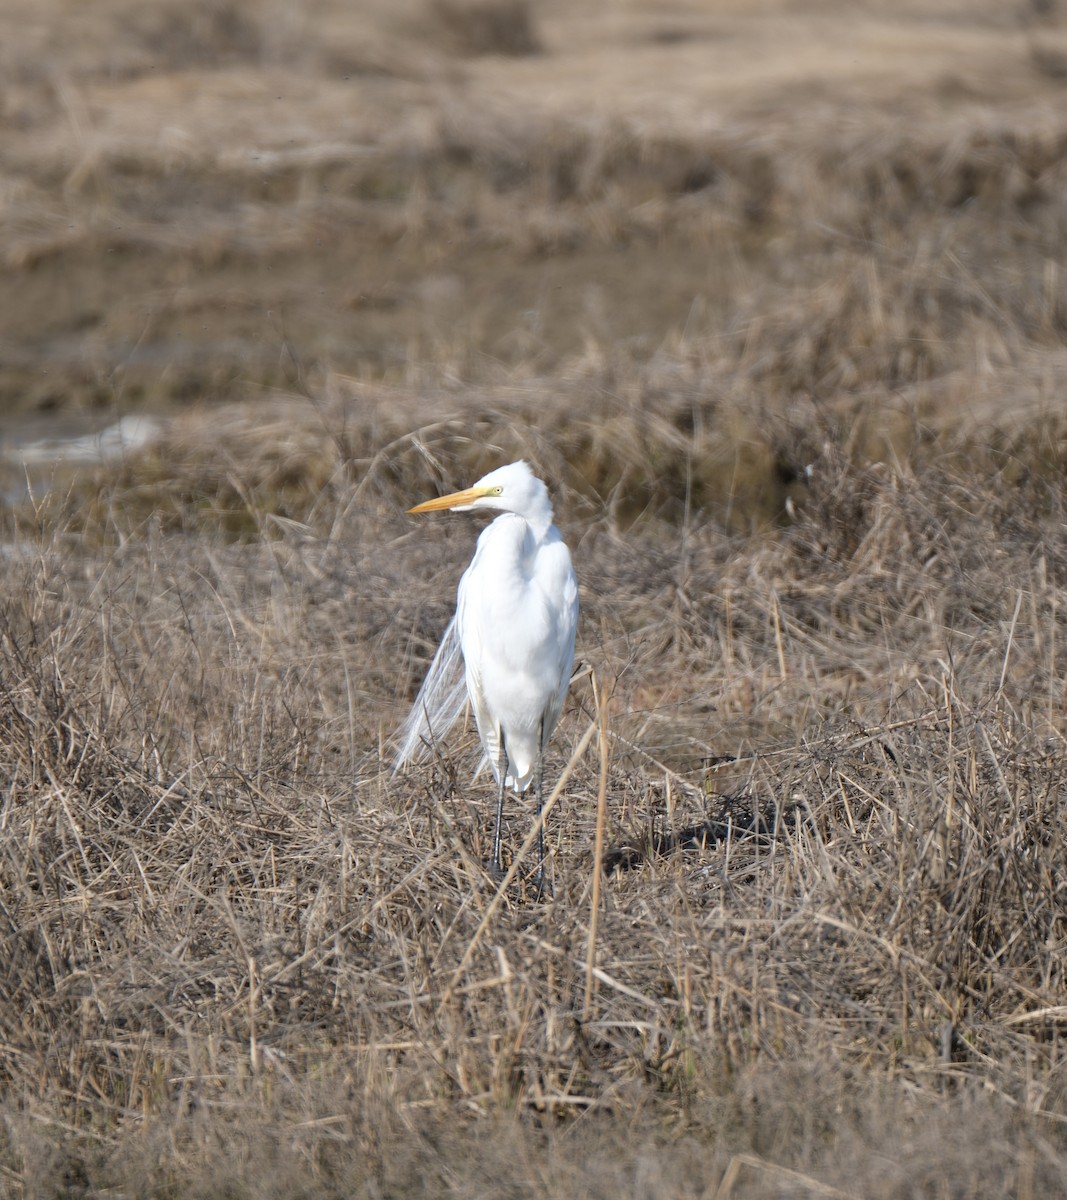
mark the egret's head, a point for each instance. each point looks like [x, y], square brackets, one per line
[514, 488]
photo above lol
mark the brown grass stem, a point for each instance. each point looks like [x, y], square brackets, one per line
[602, 701]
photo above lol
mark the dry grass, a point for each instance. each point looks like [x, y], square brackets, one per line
[796, 372]
[488, 26]
[241, 959]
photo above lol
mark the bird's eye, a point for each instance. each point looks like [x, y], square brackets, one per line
[498, 491]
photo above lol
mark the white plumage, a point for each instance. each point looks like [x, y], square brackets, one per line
[516, 616]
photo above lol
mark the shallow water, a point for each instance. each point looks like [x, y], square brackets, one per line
[35, 449]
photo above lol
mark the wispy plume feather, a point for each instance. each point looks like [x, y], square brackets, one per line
[438, 706]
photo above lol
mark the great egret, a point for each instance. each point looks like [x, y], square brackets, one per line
[516, 615]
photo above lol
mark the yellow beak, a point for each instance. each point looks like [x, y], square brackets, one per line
[454, 500]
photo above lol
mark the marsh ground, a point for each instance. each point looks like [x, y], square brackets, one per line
[774, 295]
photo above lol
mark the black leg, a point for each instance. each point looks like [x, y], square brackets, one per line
[539, 878]
[496, 867]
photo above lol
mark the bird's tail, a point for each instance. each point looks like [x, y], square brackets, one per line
[438, 705]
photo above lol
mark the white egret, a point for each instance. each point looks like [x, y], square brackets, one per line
[516, 615]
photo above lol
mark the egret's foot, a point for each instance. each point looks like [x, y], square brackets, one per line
[496, 869]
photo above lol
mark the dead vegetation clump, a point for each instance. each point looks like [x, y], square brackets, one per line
[487, 26]
[833, 827]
